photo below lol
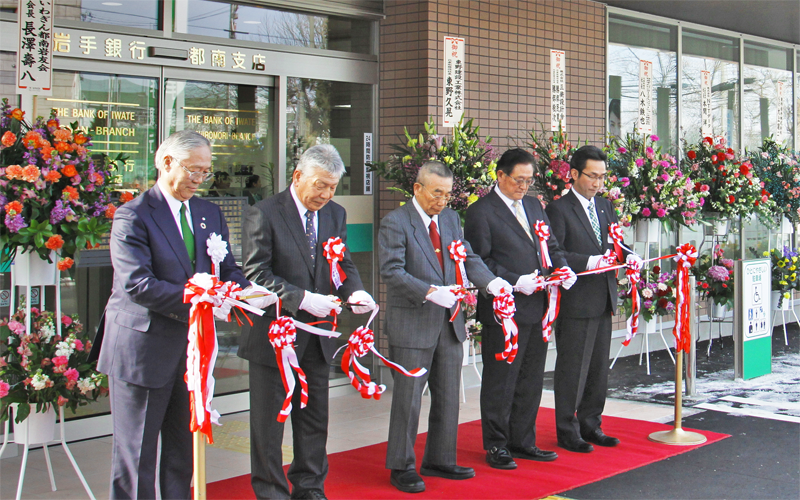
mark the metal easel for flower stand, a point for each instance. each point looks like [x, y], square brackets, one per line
[783, 317]
[39, 273]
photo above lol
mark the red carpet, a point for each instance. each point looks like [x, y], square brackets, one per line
[361, 474]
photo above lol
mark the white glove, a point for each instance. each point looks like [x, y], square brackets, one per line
[530, 283]
[267, 300]
[362, 297]
[634, 261]
[597, 261]
[320, 306]
[498, 286]
[442, 296]
[222, 311]
[568, 278]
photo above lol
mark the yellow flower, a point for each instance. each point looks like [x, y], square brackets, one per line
[793, 277]
[765, 254]
[783, 282]
[448, 159]
[407, 158]
[493, 175]
[794, 259]
[793, 268]
[472, 199]
[787, 295]
[781, 263]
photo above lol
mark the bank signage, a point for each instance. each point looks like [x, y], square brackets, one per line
[35, 49]
[453, 84]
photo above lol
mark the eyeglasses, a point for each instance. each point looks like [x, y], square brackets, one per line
[438, 197]
[595, 178]
[521, 182]
[197, 176]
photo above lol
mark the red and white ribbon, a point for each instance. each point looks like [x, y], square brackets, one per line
[334, 254]
[553, 301]
[361, 342]
[634, 275]
[686, 256]
[282, 336]
[459, 255]
[504, 309]
[615, 233]
[461, 294]
[542, 230]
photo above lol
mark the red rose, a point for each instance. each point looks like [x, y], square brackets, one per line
[656, 269]
[692, 155]
[705, 285]
[662, 303]
[731, 199]
[744, 169]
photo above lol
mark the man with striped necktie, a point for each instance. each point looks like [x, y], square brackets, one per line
[579, 221]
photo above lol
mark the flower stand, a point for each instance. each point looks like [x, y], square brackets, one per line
[39, 428]
[787, 305]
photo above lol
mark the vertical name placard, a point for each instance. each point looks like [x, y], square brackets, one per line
[644, 124]
[453, 83]
[367, 160]
[706, 128]
[781, 117]
[35, 48]
[558, 91]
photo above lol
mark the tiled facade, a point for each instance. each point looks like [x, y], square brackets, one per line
[508, 70]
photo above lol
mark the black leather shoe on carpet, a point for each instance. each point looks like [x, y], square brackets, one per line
[447, 471]
[598, 437]
[578, 446]
[407, 481]
[533, 453]
[500, 458]
[310, 495]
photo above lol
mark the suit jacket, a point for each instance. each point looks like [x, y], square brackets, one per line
[569, 223]
[498, 238]
[146, 321]
[409, 267]
[276, 255]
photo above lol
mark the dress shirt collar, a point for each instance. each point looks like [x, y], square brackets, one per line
[426, 219]
[175, 208]
[301, 209]
[584, 201]
[508, 201]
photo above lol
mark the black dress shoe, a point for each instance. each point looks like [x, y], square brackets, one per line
[407, 481]
[578, 445]
[312, 494]
[598, 437]
[447, 471]
[500, 458]
[533, 453]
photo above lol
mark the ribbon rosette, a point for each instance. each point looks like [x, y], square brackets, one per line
[334, 254]
[361, 342]
[504, 309]
[686, 256]
[217, 250]
[634, 275]
[542, 230]
[282, 335]
[459, 255]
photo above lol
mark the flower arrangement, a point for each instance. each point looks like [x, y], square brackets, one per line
[551, 176]
[474, 327]
[472, 160]
[646, 184]
[657, 291]
[734, 188]
[784, 271]
[715, 279]
[53, 195]
[44, 368]
[779, 168]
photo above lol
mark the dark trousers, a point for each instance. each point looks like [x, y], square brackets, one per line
[581, 374]
[443, 362]
[309, 428]
[511, 393]
[139, 415]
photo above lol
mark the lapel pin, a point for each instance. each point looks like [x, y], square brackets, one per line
[203, 225]
[203, 218]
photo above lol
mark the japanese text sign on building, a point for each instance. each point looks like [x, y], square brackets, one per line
[558, 90]
[781, 118]
[453, 84]
[706, 125]
[367, 160]
[644, 123]
[35, 49]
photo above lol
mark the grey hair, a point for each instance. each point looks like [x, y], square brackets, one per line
[322, 156]
[179, 146]
[433, 168]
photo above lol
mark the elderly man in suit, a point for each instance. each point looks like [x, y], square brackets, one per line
[283, 250]
[413, 240]
[158, 241]
[580, 221]
[501, 229]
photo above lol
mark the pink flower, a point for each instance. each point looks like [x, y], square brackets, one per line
[665, 177]
[625, 182]
[639, 162]
[78, 345]
[62, 400]
[622, 150]
[661, 212]
[646, 212]
[650, 153]
[72, 375]
[654, 138]
[66, 320]
[16, 327]
[4, 387]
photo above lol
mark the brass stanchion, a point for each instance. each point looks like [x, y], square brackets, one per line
[199, 465]
[677, 435]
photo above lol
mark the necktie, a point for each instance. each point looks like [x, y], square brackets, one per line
[595, 223]
[523, 221]
[310, 235]
[188, 235]
[437, 242]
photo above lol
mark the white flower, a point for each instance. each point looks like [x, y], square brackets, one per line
[39, 381]
[662, 287]
[217, 248]
[647, 293]
[470, 323]
[624, 282]
[64, 348]
[46, 332]
[86, 384]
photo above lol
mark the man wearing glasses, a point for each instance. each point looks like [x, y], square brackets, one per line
[579, 221]
[419, 273]
[501, 229]
[158, 241]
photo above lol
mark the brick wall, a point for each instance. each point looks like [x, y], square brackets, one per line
[507, 69]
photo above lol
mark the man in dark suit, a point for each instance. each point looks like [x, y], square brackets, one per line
[283, 250]
[158, 241]
[501, 229]
[419, 273]
[580, 220]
